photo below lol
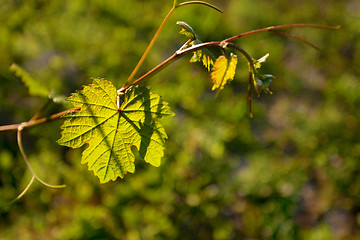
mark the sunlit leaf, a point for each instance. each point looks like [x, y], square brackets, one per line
[257, 63]
[111, 132]
[261, 81]
[205, 57]
[223, 71]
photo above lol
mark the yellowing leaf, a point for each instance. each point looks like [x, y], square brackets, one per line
[230, 72]
[204, 56]
[218, 72]
[223, 71]
[207, 61]
[111, 132]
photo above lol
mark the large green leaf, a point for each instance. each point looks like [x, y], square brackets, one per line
[111, 132]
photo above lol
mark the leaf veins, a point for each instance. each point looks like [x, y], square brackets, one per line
[223, 71]
[111, 132]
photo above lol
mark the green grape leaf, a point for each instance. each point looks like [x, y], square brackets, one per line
[111, 131]
[35, 87]
[223, 71]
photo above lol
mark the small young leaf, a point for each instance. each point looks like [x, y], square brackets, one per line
[35, 87]
[262, 83]
[223, 71]
[111, 132]
[204, 56]
[201, 55]
[257, 63]
[186, 30]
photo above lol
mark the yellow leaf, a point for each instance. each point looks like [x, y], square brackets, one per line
[207, 61]
[218, 72]
[223, 71]
[230, 72]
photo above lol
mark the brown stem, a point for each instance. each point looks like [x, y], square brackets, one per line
[149, 46]
[37, 114]
[249, 92]
[150, 73]
[172, 58]
[127, 85]
[37, 121]
[181, 53]
[227, 43]
[20, 128]
[295, 25]
[296, 38]
[202, 3]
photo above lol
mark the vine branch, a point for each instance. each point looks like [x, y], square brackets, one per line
[227, 43]
[181, 52]
[175, 6]
[20, 128]
[34, 122]
[150, 45]
[272, 28]
[34, 176]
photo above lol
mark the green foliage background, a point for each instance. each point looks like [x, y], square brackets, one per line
[292, 172]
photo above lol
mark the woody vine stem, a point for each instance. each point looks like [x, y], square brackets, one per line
[225, 44]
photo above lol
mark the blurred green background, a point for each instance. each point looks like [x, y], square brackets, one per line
[291, 172]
